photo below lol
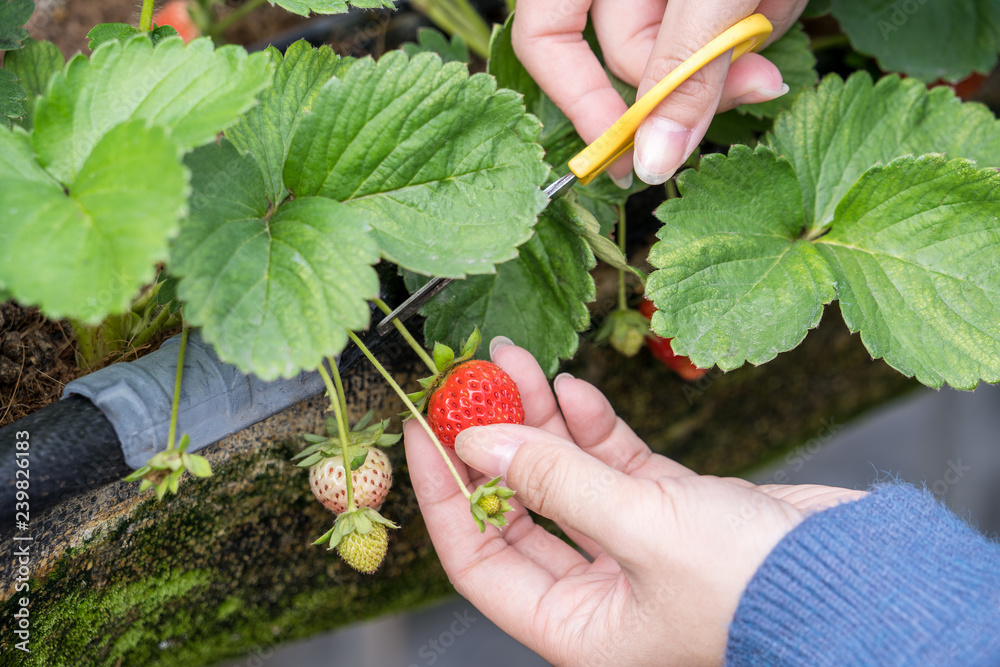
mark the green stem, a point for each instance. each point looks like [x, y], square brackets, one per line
[413, 411]
[622, 301]
[172, 435]
[672, 191]
[87, 343]
[234, 16]
[340, 389]
[408, 337]
[146, 17]
[341, 429]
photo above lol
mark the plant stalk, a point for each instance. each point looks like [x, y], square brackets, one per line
[622, 300]
[172, 435]
[146, 17]
[408, 337]
[413, 410]
[339, 414]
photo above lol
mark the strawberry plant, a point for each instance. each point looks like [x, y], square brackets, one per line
[252, 196]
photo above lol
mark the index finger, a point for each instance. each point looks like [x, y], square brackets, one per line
[548, 40]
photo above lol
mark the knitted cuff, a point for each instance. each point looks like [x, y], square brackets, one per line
[894, 578]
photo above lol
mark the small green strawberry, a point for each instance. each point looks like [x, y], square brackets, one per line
[365, 552]
[489, 504]
[625, 330]
[360, 537]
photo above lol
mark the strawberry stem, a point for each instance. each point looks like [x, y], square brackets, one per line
[408, 337]
[172, 433]
[413, 411]
[146, 21]
[622, 301]
[335, 403]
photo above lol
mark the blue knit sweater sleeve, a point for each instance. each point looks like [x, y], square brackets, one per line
[891, 579]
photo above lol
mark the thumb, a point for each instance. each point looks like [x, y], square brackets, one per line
[558, 480]
[672, 131]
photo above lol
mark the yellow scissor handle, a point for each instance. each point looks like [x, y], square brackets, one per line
[591, 162]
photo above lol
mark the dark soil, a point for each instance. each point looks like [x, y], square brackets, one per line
[36, 361]
[67, 22]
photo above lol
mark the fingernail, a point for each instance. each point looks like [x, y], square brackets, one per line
[486, 449]
[625, 182]
[560, 378]
[759, 95]
[498, 342]
[660, 148]
[770, 93]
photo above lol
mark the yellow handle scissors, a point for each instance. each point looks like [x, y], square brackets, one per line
[747, 35]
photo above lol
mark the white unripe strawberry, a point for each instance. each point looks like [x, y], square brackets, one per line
[370, 481]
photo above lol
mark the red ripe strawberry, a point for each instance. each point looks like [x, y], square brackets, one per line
[370, 481]
[474, 393]
[176, 15]
[662, 350]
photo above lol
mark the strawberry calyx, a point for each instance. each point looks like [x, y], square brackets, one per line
[444, 361]
[164, 470]
[489, 504]
[625, 330]
[361, 438]
[359, 521]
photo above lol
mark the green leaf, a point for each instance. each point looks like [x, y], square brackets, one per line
[603, 248]
[34, 65]
[167, 294]
[443, 356]
[100, 241]
[12, 99]
[122, 32]
[793, 57]
[304, 7]
[914, 252]
[13, 15]
[192, 92]
[834, 134]
[266, 130]
[162, 32]
[199, 466]
[926, 40]
[358, 459]
[735, 283]
[443, 165]
[538, 300]
[430, 40]
[110, 32]
[275, 291]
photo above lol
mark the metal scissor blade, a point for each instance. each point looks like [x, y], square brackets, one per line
[416, 301]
